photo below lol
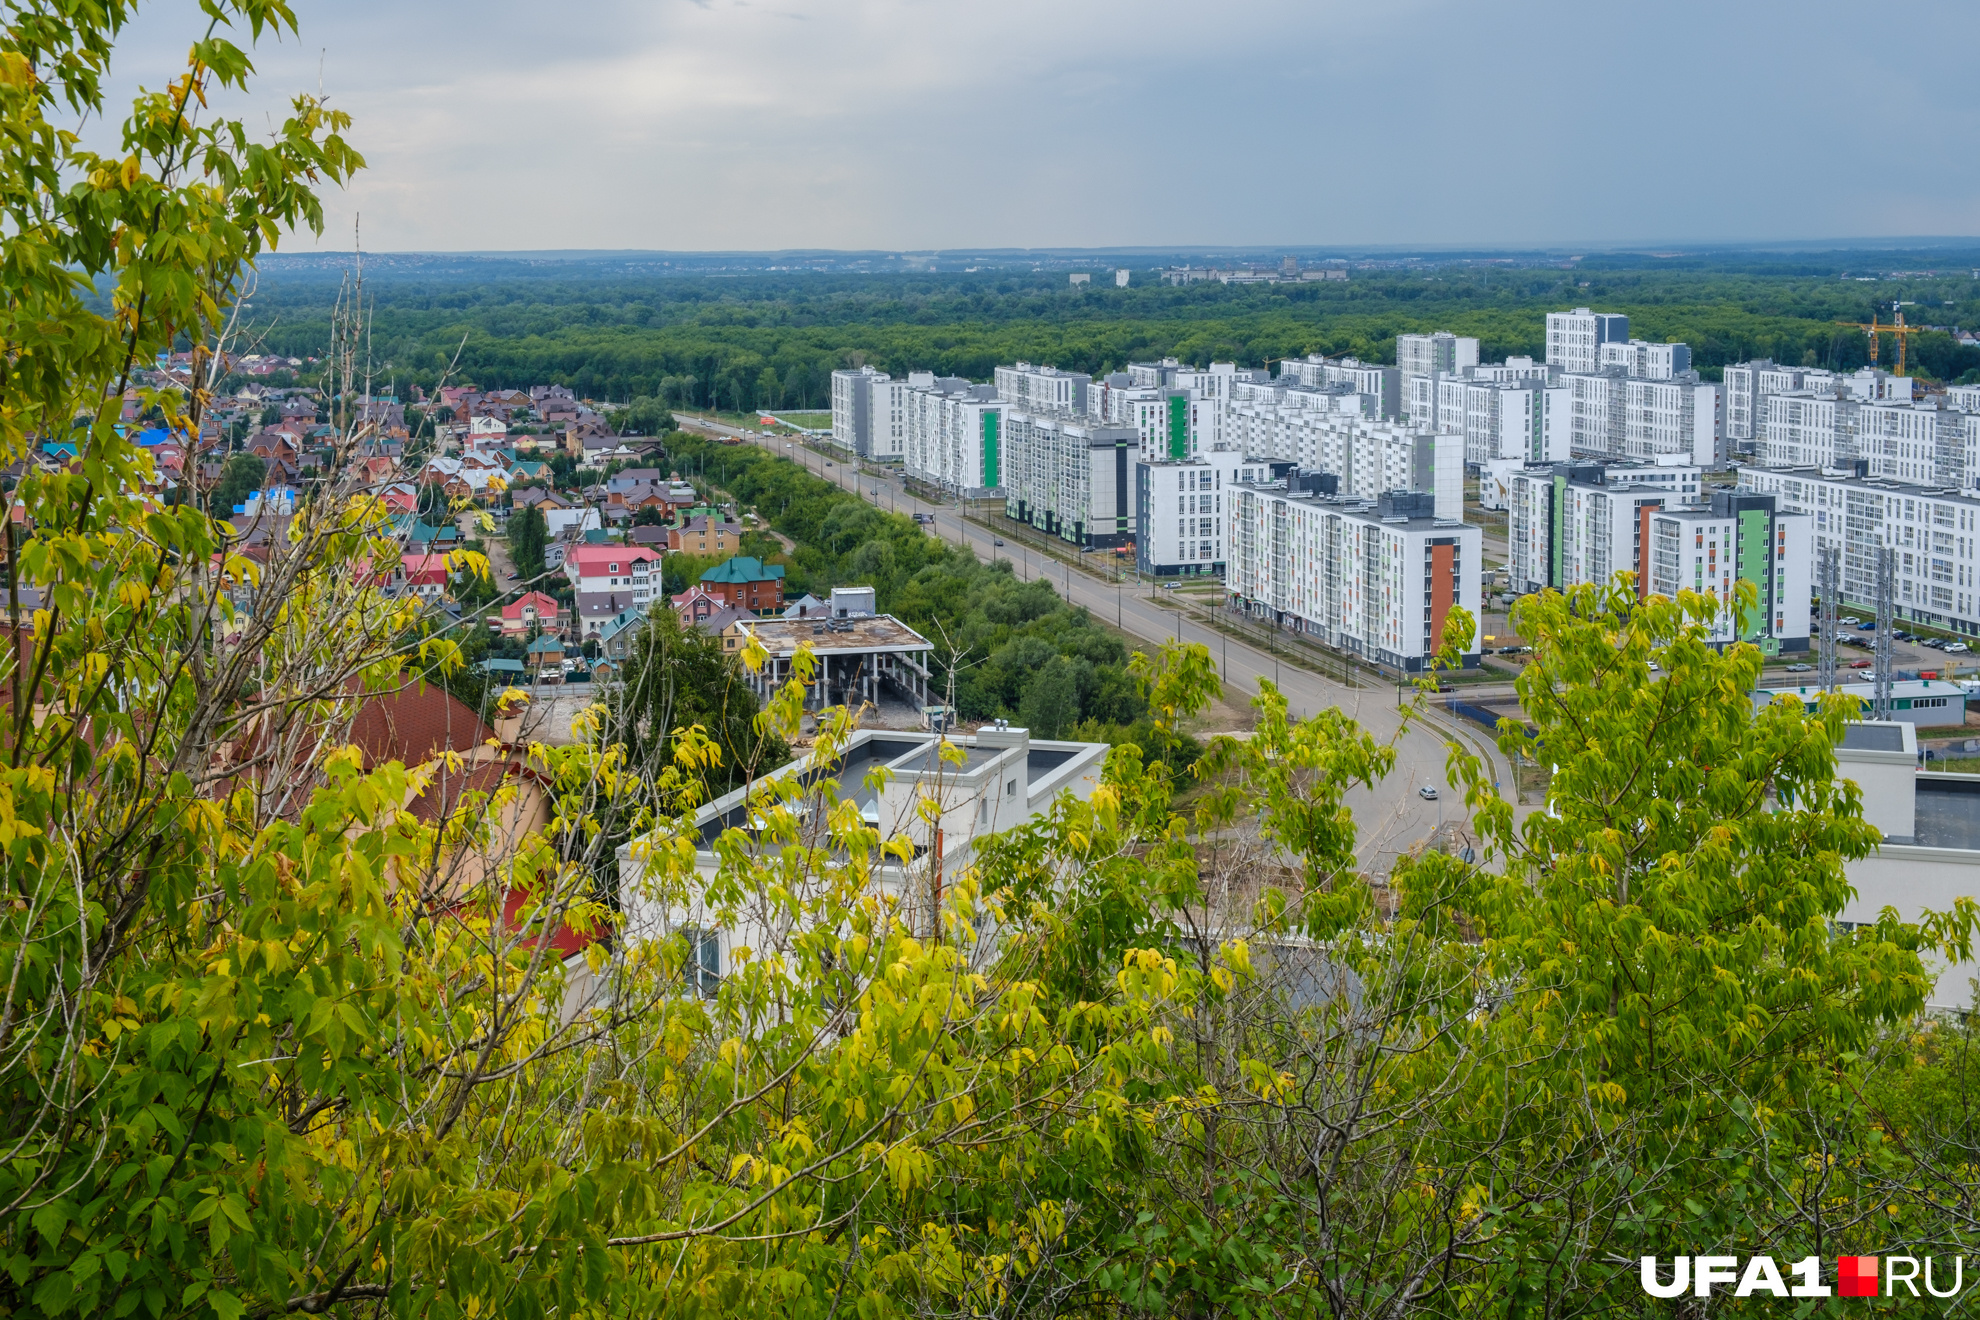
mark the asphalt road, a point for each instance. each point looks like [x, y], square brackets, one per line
[1392, 816]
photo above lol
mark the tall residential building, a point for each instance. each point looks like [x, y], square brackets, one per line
[1934, 533]
[1383, 384]
[1740, 537]
[1805, 429]
[1575, 339]
[1023, 385]
[953, 437]
[1616, 416]
[1442, 352]
[852, 409]
[1636, 357]
[1179, 513]
[1420, 360]
[1367, 456]
[1523, 419]
[1569, 524]
[1069, 476]
[1376, 578]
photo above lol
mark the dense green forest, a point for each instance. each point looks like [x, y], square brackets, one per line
[772, 339]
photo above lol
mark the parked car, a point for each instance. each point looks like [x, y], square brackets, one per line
[1427, 793]
[1798, 669]
[1859, 664]
[1904, 637]
[1868, 625]
[1957, 648]
[1936, 643]
[1851, 620]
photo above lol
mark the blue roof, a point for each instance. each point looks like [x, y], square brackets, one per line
[545, 644]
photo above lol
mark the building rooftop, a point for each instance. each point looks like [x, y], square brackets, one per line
[1835, 476]
[1948, 811]
[743, 568]
[873, 632]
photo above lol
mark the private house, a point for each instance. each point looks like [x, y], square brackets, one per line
[631, 570]
[705, 536]
[747, 583]
[424, 575]
[545, 659]
[531, 612]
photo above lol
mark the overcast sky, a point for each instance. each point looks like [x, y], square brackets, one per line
[914, 124]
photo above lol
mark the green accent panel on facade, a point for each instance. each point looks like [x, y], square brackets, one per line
[990, 450]
[1557, 515]
[1178, 427]
[1756, 565]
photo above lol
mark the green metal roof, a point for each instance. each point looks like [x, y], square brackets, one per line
[743, 568]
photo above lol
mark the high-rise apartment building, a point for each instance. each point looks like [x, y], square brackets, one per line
[1070, 476]
[1529, 419]
[1933, 532]
[1569, 524]
[953, 437]
[1179, 513]
[1636, 357]
[1377, 578]
[1739, 537]
[1575, 339]
[852, 409]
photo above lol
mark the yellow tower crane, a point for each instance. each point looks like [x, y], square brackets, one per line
[1897, 327]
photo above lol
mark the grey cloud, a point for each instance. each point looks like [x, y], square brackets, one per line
[892, 123]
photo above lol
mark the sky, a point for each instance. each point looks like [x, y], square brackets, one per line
[921, 124]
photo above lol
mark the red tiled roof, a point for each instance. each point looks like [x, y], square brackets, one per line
[413, 725]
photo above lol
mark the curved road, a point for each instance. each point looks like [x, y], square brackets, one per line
[1392, 817]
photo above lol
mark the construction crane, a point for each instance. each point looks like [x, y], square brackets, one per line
[1896, 327]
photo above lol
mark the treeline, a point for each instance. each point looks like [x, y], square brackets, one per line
[773, 341]
[1010, 648]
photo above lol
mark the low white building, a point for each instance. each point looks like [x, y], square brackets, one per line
[902, 786]
[1930, 856]
[1377, 578]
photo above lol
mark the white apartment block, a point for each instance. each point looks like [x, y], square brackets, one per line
[1421, 359]
[1638, 357]
[1893, 439]
[886, 404]
[1804, 429]
[1934, 532]
[1748, 386]
[1368, 457]
[1377, 579]
[1740, 536]
[1179, 513]
[1434, 354]
[1383, 384]
[852, 408]
[1570, 524]
[1575, 339]
[1964, 398]
[1616, 416]
[1526, 419]
[1042, 389]
[1069, 476]
[953, 437]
